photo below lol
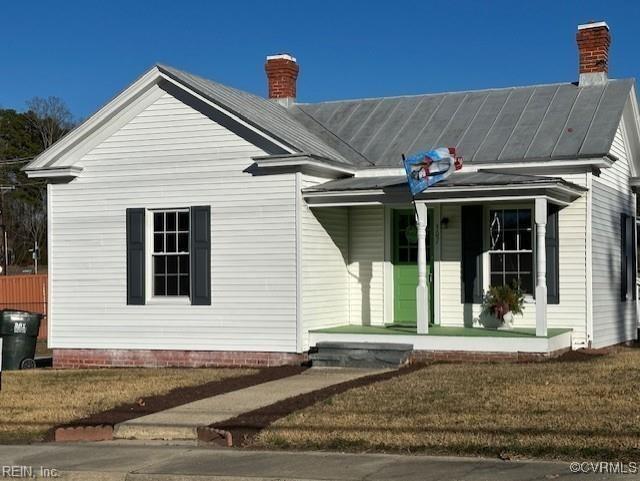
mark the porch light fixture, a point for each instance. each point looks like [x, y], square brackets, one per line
[444, 222]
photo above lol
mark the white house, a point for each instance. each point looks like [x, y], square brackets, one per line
[191, 223]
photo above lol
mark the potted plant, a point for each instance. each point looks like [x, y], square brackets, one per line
[500, 304]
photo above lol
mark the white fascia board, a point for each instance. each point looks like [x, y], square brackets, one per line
[54, 172]
[461, 189]
[228, 113]
[380, 172]
[586, 164]
[303, 161]
[540, 166]
[111, 108]
[455, 201]
[631, 128]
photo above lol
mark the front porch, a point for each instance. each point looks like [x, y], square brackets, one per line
[428, 263]
[443, 339]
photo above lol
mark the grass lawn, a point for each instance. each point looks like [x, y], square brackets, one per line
[31, 402]
[572, 410]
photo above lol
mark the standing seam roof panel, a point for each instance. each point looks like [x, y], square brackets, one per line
[483, 120]
[607, 117]
[552, 124]
[414, 119]
[528, 124]
[504, 125]
[577, 125]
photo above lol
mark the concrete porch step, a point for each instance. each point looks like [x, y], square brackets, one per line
[360, 354]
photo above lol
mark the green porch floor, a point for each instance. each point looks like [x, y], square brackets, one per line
[440, 331]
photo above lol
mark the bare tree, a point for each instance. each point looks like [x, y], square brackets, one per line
[50, 117]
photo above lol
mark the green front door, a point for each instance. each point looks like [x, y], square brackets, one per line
[405, 265]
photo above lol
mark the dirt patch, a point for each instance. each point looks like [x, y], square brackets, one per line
[177, 397]
[244, 428]
[581, 355]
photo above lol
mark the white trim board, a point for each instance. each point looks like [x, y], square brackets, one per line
[454, 343]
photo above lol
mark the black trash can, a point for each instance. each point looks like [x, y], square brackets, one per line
[19, 331]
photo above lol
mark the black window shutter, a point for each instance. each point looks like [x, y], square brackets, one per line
[135, 257]
[553, 256]
[201, 255]
[472, 247]
[623, 257]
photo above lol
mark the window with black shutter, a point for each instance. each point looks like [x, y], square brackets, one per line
[178, 254]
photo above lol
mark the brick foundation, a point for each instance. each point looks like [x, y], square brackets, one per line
[85, 358]
[469, 356]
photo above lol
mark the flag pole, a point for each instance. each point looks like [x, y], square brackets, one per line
[413, 197]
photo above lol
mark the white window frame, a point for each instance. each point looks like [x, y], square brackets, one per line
[486, 258]
[149, 254]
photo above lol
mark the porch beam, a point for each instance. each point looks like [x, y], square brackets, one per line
[422, 298]
[541, 266]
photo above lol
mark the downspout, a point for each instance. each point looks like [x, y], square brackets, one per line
[298, 247]
[589, 261]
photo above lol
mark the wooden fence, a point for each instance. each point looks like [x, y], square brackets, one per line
[26, 293]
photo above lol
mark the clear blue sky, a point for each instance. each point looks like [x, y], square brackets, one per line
[86, 52]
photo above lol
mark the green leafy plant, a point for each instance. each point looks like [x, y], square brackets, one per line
[499, 300]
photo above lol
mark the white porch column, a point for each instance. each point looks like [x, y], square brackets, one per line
[422, 297]
[541, 267]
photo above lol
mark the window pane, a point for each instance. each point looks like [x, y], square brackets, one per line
[413, 255]
[495, 230]
[510, 219]
[184, 264]
[171, 242]
[510, 279]
[158, 221]
[183, 242]
[171, 221]
[184, 285]
[524, 219]
[183, 221]
[497, 262]
[158, 264]
[511, 262]
[525, 240]
[496, 279]
[172, 265]
[158, 286]
[526, 262]
[526, 283]
[158, 242]
[172, 285]
[510, 240]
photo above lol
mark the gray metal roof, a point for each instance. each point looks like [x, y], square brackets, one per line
[265, 115]
[536, 123]
[457, 179]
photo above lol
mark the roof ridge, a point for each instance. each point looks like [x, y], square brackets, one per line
[469, 91]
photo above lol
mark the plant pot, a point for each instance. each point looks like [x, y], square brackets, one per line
[507, 320]
[489, 321]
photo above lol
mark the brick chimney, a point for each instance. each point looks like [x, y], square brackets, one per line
[593, 45]
[282, 73]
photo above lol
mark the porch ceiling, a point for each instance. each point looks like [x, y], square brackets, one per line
[461, 186]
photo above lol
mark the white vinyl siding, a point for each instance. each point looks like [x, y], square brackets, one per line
[325, 280]
[366, 264]
[614, 321]
[570, 313]
[168, 155]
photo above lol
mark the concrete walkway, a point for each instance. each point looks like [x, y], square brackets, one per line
[182, 422]
[131, 461]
